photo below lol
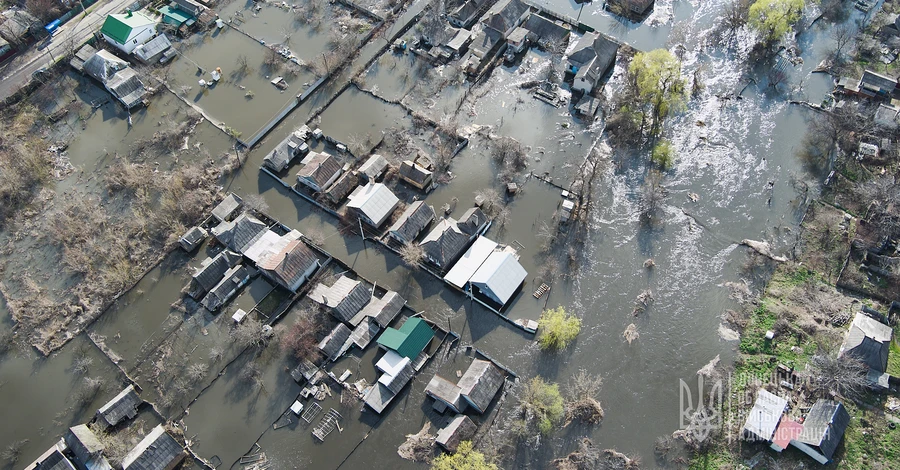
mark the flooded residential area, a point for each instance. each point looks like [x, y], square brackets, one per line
[449, 234]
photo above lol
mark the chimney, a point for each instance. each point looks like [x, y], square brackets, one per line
[128, 13]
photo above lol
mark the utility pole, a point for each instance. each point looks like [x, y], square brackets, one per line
[361, 233]
[326, 63]
[578, 20]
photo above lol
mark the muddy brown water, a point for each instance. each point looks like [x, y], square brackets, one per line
[728, 152]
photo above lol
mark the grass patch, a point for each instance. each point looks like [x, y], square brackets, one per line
[717, 457]
[753, 340]
[868, 440]
[893, 367]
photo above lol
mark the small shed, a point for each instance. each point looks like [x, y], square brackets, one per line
[241, 233]
[416, 175]
[764, 417]
[460, 428]
[409, 340]
[345, 298]
[374, 203]
[157, 451]
[480, 384]
[234, 279]
[445, 393]
[122, 406]
[331, 345]
[228, 208]
[499, 276]
[193, 238]
[868, 341]
[86, 447]
[412, 222]
[823, 430]
[373, 168]
[382, 311]
[287, 150]
[151, 51]
[320, 171]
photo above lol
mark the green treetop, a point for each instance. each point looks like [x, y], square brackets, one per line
[465, 458]
[656, 77]
[774, 18]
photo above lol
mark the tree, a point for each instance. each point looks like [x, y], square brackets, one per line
[300, 339]
[465, 458]
[412, 254]
[583, 390]
[834, 375]
[658, 85]
[541, 406]
[558, 329]
[663, 155]
[774, 18]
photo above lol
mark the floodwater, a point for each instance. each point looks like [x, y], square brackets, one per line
[729, 151]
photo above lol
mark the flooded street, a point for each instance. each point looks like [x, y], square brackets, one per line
[738, 156]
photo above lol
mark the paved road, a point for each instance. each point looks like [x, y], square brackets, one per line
[69, 36]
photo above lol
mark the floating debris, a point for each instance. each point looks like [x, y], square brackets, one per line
[631, 333]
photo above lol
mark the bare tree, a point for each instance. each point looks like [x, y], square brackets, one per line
[249, 333]
[583, 390]
[843, 36]
[12, 451]
[412, 254]
[841, 376]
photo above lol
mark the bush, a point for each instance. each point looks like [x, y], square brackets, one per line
[465, 458]
[300, 338]
[557, 329]
[412, 254]
[541, 405]
[663, 155]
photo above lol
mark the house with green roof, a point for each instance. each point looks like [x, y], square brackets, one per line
[410, 340]
[128, 30]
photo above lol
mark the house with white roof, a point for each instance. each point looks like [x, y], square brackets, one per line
[499, 276]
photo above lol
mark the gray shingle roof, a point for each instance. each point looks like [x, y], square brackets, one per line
[124, 405]
[415, 174]
[460, 428]
[239, 234]
[382, 310]
[55, 460]
[211, 271]
[83, 443]
[824, 426]
[869, 341]
[157, 451]
[227, 208]
[346, 297]
[364, 333]
[320, 169]
[234, 278]
[331, 344]
[446, 391]
[472, 221]
[444, 243]
[341, 188]
[505, 15]
[480, 384]
[414, 219]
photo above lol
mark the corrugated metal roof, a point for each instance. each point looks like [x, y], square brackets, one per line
[211, 271]
[124, 405]
[83, 443]
[374, 167]
[446, 391]
[239, 234]
[153, 47]
[445, 242]
[364, 333]
[346, 297]
[118, 26]
[765, 415]
[499, 276]
[54, 460]
[331, 344]
[375, 201]
[382, 310]
[410, 340]
[234, 278]
[225, 209]
[474, 257]
[869, 341]
[460, 428]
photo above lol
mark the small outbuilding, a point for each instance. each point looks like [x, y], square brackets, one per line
[374, 203]
[416, 175]
[445, 393]
[869, 341]
[210, 273]
[480, 384]
[193, 238]
[234, 279]
[382, 311]
[764, 417]
[460, 428]
[228, 208]
[342, 187]
[409, 340]
[331, 345]
[123, 406]
[373, 168]
[823, 430]
[151, 51]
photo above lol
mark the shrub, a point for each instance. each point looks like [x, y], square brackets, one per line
[412, 254]
[663, 155]
[542, 405]
[465, 458]
[558, 329]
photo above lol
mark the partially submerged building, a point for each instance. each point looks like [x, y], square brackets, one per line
[373, 203]
[468, 264]
[346, 297]
[287, 150]
[321, 169]
[157, 451]
[409, 340]
[415, 219]
[373, 168]
[473, 221]
[123, 406]
[291, 266]
[211, 272]
[445, 242]
[467, 13]
[239, 234]
[332, 344]
[476, 389]
[382, 311]
[128, 30]
[460, 428]
[499, 277]
[86, 447]
[416, 175]
[53, 459]
[875, 85]
[593, 56]
[152, 51]
[234, 279]
[193, 238]
[342, 187]
[228, 208]
[397, 371]
[635, 9]
[869, 342]
[117, 77]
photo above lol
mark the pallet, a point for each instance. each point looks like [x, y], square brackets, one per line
[541, 291]
[327, 424]
[311, 412]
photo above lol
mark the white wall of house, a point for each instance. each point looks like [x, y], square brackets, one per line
[138, 36]
[582, 84]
